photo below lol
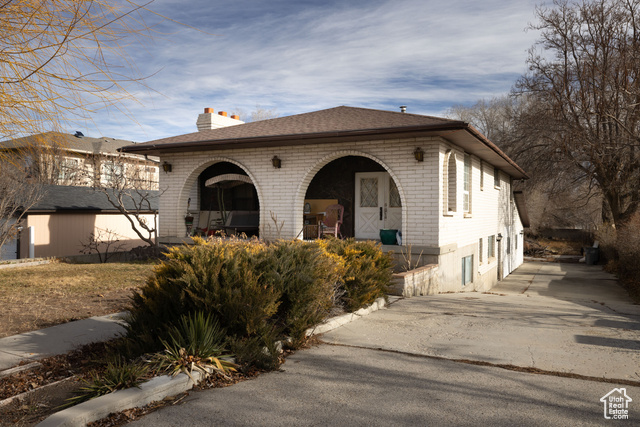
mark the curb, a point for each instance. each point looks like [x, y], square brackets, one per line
[24, 263]
[95, 409]
[160, 387]
[336, 322]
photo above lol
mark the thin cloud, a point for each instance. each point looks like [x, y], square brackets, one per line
[302, 56]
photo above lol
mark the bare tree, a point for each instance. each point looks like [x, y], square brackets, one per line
[63, 60]
[129, 186]
[259, 113]
[507, 121]
[17, 195]
[585, 91]
[495, 118]
[104, 243]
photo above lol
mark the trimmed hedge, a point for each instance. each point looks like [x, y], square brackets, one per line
[217, 278]
[366, 271]
[258, 292]
[306, 278]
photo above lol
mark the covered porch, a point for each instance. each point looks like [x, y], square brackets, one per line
[367, 193]
[227, 203]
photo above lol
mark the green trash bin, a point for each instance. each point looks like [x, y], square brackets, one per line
[388, 236]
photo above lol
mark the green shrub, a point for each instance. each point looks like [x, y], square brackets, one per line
[260, 351]
[258, 293]
[217, 278]
[366, 271]
[306, 276]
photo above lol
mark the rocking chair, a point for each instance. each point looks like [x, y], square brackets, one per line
[332, 220]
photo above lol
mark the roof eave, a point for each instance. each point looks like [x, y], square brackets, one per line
[468, 138]
[286, 140]
[487, 150]
[521, 206]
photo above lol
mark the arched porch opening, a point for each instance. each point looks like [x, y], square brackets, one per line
[227, 200]
[366, 188]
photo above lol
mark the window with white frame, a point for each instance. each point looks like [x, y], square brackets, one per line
[67, 170]
[450, 181]
[466, 198]
[110, 171]
[467, 270]
[480, 251]
[481, 175]
[491, 246]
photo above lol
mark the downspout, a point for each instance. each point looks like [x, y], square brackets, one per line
[499, 240]
[18, 242]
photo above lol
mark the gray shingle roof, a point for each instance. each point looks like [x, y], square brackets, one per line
[67, 198]
[68, 142]
[333, 121]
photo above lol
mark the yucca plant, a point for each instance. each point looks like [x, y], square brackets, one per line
[196, 343]
[117, 376]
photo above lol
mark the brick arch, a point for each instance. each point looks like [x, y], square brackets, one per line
[192, 178]
[298, 203]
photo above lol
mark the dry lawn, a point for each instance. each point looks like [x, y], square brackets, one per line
[561, 247]
[40, 296]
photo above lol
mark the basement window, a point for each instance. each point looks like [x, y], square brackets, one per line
[467, 270]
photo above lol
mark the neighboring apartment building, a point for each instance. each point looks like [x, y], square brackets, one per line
[70, 166]
[76, 160]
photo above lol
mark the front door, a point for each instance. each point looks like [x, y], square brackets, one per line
[377, 205]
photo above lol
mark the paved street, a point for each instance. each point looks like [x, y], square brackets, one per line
[377, 370]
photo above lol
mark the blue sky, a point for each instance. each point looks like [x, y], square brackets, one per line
[300, 56]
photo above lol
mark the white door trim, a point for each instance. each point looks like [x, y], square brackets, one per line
[377, 213]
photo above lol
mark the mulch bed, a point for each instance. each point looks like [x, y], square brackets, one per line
[58, 378]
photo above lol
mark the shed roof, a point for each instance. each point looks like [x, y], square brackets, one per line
[58, 198]
[339, 124]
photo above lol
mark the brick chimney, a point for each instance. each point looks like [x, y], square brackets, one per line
[210, 120]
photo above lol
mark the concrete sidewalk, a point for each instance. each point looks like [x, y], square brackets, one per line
[57, 339]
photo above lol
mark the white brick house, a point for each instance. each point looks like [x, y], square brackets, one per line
[439, 181]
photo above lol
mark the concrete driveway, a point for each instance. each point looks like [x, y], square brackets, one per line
[570, 318]
[379, 370]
